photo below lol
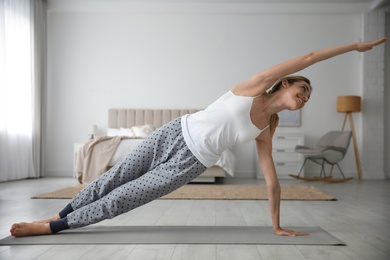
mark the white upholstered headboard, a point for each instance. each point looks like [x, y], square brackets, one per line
[127, 118]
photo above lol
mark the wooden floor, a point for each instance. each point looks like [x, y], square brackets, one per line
[360, 218]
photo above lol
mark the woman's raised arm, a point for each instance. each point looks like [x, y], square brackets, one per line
[263, 80]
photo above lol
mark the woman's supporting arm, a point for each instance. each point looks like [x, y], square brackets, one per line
[264, 150]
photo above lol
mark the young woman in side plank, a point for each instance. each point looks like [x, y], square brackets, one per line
[181, 150]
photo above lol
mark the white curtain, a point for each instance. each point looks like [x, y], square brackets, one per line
[22, 87]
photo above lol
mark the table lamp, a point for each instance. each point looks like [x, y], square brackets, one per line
[92, 131]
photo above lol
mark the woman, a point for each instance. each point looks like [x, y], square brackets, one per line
[181, 150]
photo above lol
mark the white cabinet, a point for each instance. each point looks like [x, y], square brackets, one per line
[286, 160]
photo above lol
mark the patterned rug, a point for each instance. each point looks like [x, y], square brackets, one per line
[215, 192]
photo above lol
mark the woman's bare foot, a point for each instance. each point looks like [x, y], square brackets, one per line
[56, 217]
[30, 229]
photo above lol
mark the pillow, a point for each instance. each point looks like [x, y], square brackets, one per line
[142, 131]
[127, 132]
[113, 132]
[134, 132]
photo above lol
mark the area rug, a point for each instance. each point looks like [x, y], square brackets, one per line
[257, 235]
[216, 192]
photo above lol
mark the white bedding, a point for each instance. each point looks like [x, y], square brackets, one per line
[226, 161]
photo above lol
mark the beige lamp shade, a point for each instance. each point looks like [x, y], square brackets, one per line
[92, 129]
[349, 104]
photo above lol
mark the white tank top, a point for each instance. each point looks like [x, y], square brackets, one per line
[222, 125]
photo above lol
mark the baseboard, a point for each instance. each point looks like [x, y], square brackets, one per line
[243, 175]
[58, 173]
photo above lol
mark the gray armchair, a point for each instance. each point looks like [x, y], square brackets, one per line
[331, 149]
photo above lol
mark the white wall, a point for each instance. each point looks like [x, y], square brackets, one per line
[387, 98]
[373, 102]
[172, 59]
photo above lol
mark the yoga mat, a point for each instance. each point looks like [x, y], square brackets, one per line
[257, 235]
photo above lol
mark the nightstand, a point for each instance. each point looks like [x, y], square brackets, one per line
[76, 149]
[286, 160]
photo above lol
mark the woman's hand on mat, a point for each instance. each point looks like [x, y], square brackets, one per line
[290, 233]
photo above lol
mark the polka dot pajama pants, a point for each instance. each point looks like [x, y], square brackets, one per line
[159, 165]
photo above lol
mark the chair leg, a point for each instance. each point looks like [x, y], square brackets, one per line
[314, 160]
[303, 165]
[338, 166]
[323, 169]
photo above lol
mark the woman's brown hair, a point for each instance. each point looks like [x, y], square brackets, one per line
[274, 120]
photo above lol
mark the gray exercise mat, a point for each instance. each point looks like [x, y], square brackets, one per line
[177, 235]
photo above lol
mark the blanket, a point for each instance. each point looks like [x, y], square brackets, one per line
[94, 156]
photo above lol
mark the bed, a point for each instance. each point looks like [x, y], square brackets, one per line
[126, 130]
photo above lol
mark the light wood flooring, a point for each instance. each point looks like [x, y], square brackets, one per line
[360, 218]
